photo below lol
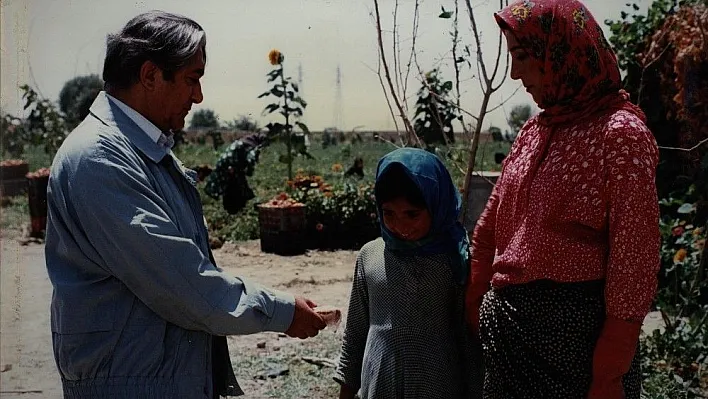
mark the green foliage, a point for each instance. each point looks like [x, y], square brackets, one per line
[289, 104]
[13, 135]
[629, 35]
[674, 358]
[343, 216]
[76, 98]
[517, 118]
[496, 133]
[45, 124]
[204, 119]
[216, 139]
[665, 72]
[434, 111]
[244, 123]
[683, 289]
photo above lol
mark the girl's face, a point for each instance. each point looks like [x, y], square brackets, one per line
[406, 221]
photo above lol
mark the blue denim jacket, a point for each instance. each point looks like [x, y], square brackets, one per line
[136, 298]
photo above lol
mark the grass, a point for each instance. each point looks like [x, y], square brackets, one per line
[269, 178]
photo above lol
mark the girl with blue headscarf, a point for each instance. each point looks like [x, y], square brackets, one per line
[406, 335]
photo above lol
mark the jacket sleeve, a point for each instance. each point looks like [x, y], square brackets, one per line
[129, 225]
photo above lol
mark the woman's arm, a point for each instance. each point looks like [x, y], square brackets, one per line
[634, 253]
[482, 256]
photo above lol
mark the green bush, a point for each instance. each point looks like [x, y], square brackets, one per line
[343, 216]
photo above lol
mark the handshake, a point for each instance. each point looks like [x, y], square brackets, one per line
[309, 319]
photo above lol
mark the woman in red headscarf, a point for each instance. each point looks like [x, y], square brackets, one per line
[566, 252]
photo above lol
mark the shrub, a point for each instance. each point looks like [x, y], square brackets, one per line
[340, 216]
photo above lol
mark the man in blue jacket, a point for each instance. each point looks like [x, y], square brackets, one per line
[140, 309]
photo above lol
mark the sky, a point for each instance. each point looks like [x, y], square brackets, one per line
[46, 42]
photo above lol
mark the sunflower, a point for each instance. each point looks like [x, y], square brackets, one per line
[275, 57]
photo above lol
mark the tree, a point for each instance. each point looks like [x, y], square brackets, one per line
[396, 67]
[517, 118]
[496, 133]
[45, 124]
[76, 98]
[664, 56]
[204, 119]
[434, 113]
[245, 123]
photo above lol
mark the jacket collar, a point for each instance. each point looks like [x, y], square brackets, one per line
[111, 115]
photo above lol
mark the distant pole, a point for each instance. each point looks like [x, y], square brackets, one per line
[299, 84]
[338, 106]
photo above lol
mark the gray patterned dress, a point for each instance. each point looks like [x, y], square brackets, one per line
[405, 335]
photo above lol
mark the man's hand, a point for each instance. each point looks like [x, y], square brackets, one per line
[306, 322]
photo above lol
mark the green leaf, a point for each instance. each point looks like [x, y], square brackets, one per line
[275, 74]
[285, 158]
[270, 108]
[686, 208]
[447, 86]
[300, 101]
[303, 127]
[445, 14]
[276, 91]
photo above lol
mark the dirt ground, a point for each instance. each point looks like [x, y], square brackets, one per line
[29, 369]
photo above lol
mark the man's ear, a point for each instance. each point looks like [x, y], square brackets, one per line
[149, 75]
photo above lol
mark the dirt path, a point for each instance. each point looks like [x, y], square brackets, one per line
[25, 338]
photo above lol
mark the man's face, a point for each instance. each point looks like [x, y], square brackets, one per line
[175, 97]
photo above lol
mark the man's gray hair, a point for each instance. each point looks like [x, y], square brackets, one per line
[167, 40]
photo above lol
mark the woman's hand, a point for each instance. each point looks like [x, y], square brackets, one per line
[345, 392]
[609, 389]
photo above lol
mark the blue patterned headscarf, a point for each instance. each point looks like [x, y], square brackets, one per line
[446, 235]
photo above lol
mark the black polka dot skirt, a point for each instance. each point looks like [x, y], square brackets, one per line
[538, 341]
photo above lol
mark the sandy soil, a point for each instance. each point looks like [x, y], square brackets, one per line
[25, 338]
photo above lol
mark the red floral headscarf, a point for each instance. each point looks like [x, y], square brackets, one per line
[581, 76]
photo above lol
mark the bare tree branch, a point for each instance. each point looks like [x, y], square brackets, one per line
[455, 42]
[488, 88]
[416, 18]
[409, 129]
[501, 104]
[473, 116]
[695, 147]
[385, 92]
[499, 50]
[480, 57]
[506, 74]
[396, 49]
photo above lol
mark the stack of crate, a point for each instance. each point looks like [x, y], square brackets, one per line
[12, 177]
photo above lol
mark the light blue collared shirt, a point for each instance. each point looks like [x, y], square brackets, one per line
[143, 123]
